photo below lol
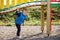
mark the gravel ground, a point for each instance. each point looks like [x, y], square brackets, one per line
[29, 33]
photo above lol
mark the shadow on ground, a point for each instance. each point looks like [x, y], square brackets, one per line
[38, 37]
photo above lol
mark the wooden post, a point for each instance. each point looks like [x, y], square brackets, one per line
[48, 17]
[42, 17]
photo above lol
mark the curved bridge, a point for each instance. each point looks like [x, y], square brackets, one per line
[25, 6]
[7, 4]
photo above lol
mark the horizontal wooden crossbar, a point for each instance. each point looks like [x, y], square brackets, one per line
[24, 6]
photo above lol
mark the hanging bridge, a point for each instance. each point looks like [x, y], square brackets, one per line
[11, 5]
[19, 4]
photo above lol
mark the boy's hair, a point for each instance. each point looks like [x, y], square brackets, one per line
[24, 9]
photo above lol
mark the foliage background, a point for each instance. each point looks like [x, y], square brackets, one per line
[33, 17]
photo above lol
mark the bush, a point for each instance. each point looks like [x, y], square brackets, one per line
[8, 25]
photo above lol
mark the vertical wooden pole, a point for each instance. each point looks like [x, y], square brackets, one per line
[42, 17]
[48, 17]
[7, 3]
[13, 2]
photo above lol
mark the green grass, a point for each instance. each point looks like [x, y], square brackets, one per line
[38, 22]
[1, 23]
[34, 22]
[56, 22]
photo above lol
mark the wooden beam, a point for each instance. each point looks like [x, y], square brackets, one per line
[14, 9]
[48, 17]
[42, 18]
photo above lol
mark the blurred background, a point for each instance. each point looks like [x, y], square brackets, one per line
[33, 16]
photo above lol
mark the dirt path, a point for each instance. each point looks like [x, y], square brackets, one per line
[29, 33]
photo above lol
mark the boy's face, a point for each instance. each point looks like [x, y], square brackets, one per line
[24, 11]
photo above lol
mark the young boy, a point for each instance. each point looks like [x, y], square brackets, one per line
[20, 17]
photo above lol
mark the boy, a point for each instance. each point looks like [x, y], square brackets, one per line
[20, 17]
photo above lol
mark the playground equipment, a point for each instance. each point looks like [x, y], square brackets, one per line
[25, 4]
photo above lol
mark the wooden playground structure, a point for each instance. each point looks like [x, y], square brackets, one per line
[42, 4]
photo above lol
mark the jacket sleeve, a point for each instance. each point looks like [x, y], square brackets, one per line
[18, 14]
[23, 19]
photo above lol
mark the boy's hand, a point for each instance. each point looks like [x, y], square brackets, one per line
[18, 9]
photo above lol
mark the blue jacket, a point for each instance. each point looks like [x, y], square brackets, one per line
[20, 17]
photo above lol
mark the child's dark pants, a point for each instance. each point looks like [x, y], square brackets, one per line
[18, 29]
